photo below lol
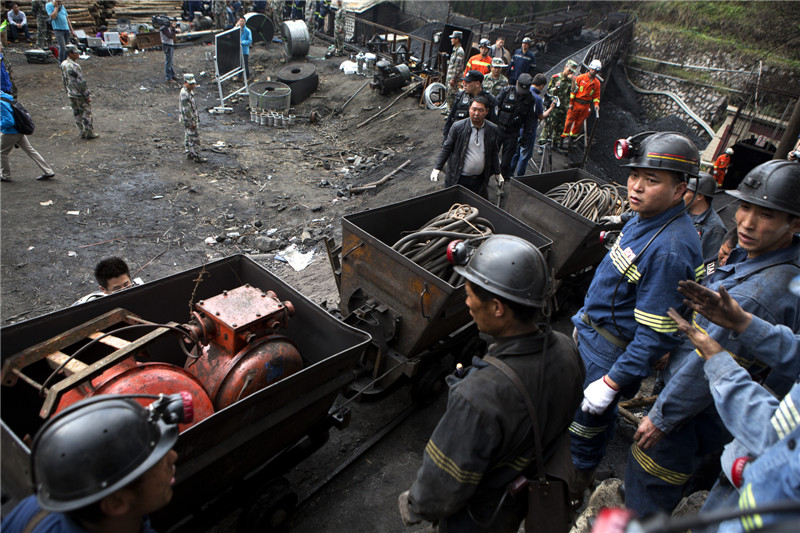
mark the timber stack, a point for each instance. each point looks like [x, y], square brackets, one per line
[90, 15]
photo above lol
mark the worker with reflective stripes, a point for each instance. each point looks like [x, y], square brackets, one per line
[522, 62]
[623, 327]
[485, 438]
[683, 426]
[721, 166]
[762, 464]
[481, 62]
[698, 197]
[585, 94]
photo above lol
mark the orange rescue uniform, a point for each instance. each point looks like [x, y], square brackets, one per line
[482, 64]
[585, 93]
[720, 166]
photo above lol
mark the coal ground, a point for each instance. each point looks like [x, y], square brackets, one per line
[136, 196]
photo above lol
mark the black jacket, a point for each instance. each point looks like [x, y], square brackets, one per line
[515, 111]
[485, 438]
[455, 148]
[460, 109]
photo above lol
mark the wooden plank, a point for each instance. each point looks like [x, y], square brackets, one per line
[110, 340]
[56, 359]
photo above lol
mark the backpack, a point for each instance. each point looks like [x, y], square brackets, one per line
[23, 122]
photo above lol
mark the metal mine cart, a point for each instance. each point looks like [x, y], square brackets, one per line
[414, 316]
[262, 363]
[576, 239]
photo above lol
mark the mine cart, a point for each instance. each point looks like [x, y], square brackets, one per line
[576, 239]
[415, 317]
[263, 373]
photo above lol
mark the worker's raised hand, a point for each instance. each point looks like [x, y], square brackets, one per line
[611, 219]
[718, 307]
[435, 174]
[647, 434]
[598, 396]
[707, 346]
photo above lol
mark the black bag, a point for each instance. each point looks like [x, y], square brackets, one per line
[23, 122]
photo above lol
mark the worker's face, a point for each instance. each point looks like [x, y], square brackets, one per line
[500, 42]
[483, 313]
[484, 50]
[526, 47]
[117, 284]
[592, 73]
[652, 191]
[496, 71]
[688, 196]
[240, 22]
[724, 251]
[477, 113]
[153, 490]
[761, 230]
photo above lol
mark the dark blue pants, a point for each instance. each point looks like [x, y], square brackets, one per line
[13, 32]
[169, 52]
[655, 478]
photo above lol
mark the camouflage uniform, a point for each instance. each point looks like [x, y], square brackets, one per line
[338, 29]
[79, 96]
[559, 86]
[494, 86]
[455, 69]
[311, 19]
[191, 121]
[219, 14]
[277, 14]
[44, 33]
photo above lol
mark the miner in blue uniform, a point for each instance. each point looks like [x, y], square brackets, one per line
[683, 427]
[623, 327]
[762, 464]
[699, 196]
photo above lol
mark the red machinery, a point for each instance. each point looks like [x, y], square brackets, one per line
[241, 351]
[235, 332]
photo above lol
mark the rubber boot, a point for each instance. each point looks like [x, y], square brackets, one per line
[584, 479]
[90, 135]
[569, 143]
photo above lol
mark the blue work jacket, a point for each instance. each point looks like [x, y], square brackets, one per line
[521, 63]
[641, 300]
[759, 286]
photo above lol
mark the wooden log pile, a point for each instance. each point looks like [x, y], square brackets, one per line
[90, 15]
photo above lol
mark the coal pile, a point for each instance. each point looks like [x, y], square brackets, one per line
[621, 116]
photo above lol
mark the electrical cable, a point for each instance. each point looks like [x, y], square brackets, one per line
[590, 199]
[427, 246]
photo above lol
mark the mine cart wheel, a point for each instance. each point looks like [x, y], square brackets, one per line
[429, 383]
[270, 509]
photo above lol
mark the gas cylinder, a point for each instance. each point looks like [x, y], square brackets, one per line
[132, 377]
[242, 353]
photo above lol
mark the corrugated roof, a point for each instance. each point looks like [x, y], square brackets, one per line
[359, 6]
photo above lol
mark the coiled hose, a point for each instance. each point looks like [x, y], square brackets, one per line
[427, 246]
[591, 199]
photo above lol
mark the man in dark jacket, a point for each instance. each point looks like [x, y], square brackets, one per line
[470, 151]
[515, 119]
[473, 86]
[522, 62]
[485, 439]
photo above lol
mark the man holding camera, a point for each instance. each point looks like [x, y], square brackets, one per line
[168, 31]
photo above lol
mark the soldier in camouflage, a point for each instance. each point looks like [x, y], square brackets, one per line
[219, 14]
[79, 96]
[44, 33]
[559, 86]
[495, 82]
[191, 120]
[311, 19]
[277, 7]
[455, 67]
[338, 28]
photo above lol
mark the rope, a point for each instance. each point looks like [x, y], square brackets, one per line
[427, 246]
[591, 199]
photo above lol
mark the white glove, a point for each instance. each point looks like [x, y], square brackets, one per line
[597, 397]
[611, 219]
[499, 179]
[597, 112]
[435, 174]
[405, 512]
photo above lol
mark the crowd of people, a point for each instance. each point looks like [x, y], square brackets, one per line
[516, 104]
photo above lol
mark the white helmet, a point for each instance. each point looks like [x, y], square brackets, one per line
[729, 151]
[596, 64]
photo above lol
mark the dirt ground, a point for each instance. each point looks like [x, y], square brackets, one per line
[138, 197]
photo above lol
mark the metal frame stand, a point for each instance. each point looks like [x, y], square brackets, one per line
[228, 76]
